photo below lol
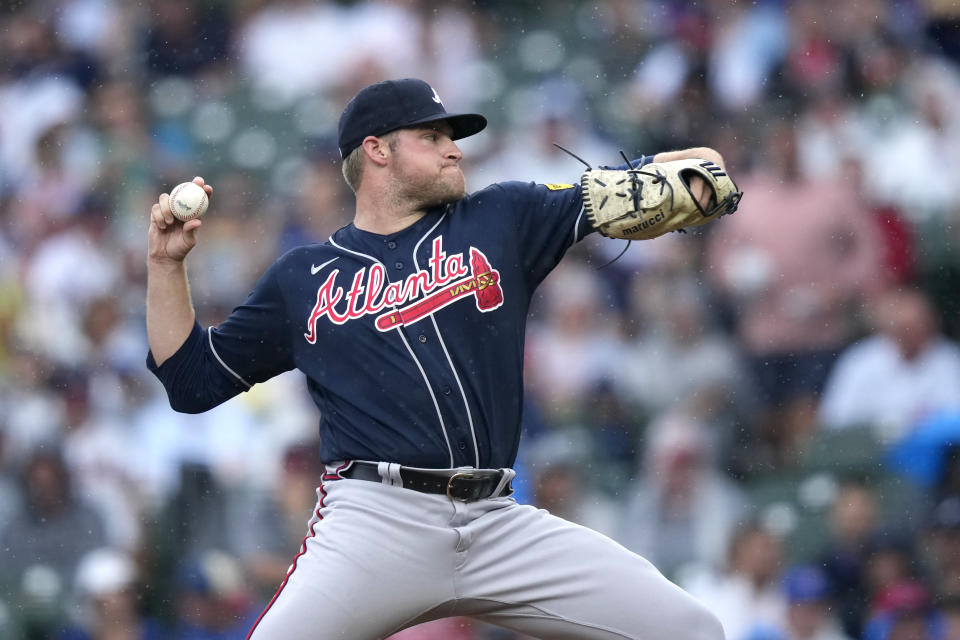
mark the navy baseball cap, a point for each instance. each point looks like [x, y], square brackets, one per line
[394, 104]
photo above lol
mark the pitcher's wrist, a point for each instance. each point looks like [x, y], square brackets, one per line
[164, 264]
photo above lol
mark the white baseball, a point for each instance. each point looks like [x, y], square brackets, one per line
[188, 200]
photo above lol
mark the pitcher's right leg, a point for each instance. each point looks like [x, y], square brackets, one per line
[375, 559]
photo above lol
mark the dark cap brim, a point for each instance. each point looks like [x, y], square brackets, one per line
[463, 124]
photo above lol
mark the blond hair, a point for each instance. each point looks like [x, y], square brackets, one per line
[352, 167]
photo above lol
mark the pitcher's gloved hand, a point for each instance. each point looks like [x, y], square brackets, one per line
[639, 204]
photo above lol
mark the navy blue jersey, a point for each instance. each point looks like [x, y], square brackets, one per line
[412, 343]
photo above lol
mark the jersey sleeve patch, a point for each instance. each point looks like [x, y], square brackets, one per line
[558, 186]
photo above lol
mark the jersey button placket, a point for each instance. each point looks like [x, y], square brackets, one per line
[391, 244]
[398, 264]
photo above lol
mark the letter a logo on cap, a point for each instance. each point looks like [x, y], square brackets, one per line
[436, 97]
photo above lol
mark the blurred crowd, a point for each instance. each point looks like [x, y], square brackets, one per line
[767, 408]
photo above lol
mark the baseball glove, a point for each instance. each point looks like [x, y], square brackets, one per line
[639, 204]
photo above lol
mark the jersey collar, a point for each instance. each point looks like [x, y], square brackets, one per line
[351, 237]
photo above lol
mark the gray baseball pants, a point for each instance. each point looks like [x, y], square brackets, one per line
[379, 558]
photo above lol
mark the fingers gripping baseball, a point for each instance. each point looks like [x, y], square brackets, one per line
[170, 238]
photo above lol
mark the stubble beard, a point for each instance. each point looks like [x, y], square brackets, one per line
[424, 192]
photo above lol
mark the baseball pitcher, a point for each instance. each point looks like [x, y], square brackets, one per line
[409, 326]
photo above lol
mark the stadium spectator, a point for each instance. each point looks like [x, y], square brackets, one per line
[574, 345]
[891, 576]
[9, 492]
[745, 594]
[853, 521]
[678, 340]
[276, 524]
[942, 546]
[793, 314]
[39, 559]
[904, 610]
[105, 594]
[212, 600]
[681, 496]
[904, 371]
[564, 482]
[810, 614]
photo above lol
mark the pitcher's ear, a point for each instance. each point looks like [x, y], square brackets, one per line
[377, 149]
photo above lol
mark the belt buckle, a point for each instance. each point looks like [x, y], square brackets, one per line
[465, 476]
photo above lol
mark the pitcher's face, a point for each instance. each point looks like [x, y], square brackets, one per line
[425, 164]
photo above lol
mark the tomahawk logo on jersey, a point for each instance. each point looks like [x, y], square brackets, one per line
[396, 302]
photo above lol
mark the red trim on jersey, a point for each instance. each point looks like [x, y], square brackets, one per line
[336, 473]
[293, 567]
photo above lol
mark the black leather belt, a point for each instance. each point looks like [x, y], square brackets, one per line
[465, 485]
